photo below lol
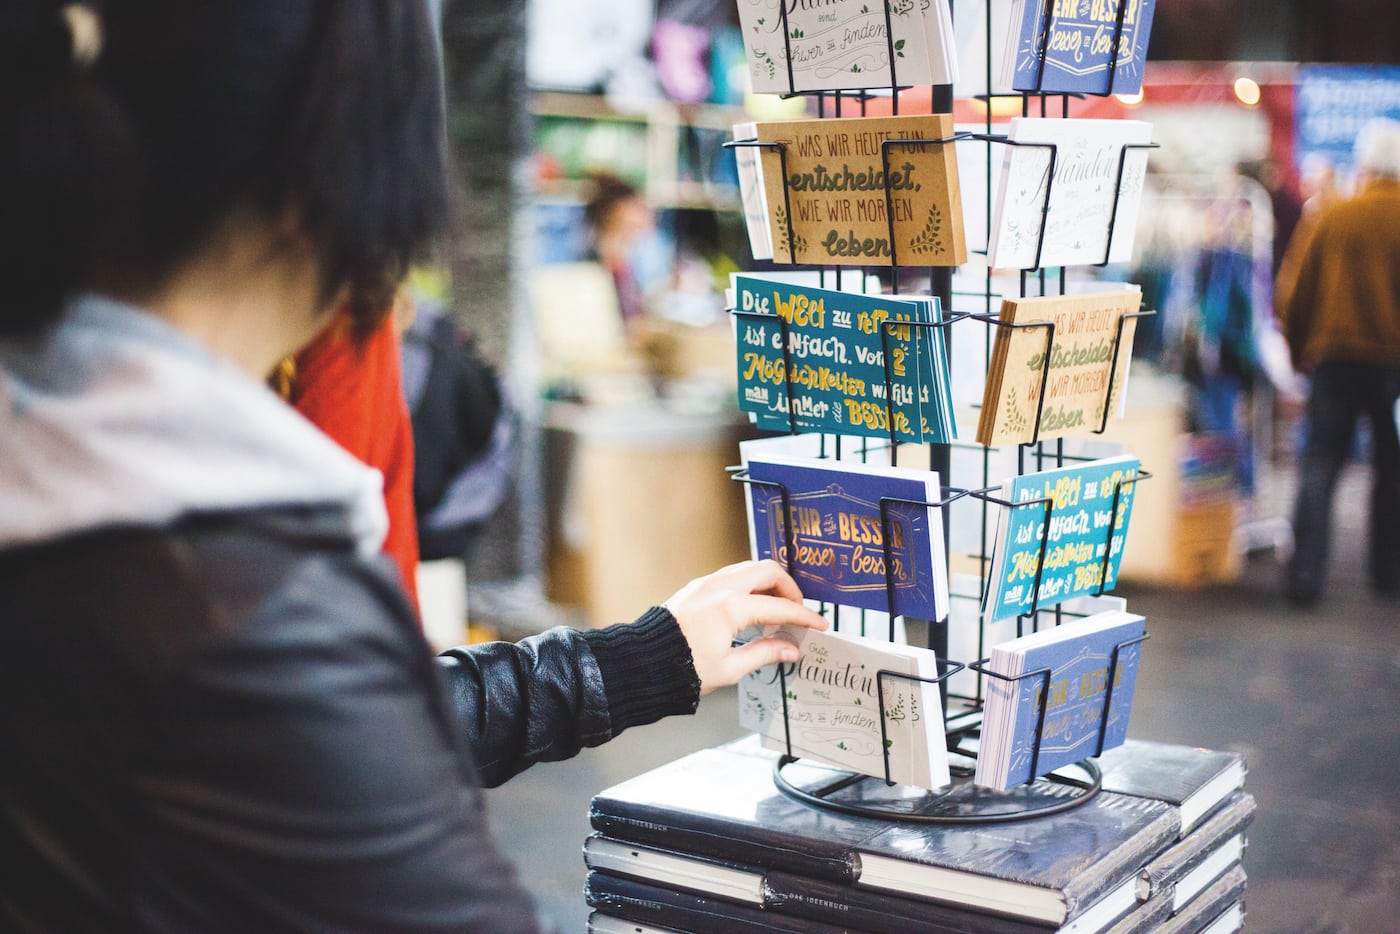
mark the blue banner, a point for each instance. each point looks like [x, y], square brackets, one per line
[1333, 102]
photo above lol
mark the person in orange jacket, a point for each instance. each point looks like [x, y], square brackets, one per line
[1338, 298]
[350, 387]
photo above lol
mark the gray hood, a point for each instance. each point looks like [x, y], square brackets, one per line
[116, 419]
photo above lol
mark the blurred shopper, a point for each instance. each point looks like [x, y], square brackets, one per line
[216, 708]
[464, 431]
[1320, 191]
[350, 387]
[1286, 205]
[1341, 316]
[622, 230]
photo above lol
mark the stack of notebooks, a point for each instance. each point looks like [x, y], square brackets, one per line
[708, 843]
[1051, 382]
[815, 359]
[1063, 535]
[844, 45]
[862, 191]
[1087, 210]
[1058, 46]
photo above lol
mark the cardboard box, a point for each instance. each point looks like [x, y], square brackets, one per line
[1204, 550]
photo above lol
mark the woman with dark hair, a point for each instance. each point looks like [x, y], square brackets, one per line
[216, 707]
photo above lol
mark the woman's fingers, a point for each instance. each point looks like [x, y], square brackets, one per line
[759, 609]
[766, 576]
[754, 655]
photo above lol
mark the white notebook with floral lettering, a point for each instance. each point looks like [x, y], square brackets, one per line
[827, 706]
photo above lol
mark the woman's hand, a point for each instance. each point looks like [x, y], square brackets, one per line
[712, 610]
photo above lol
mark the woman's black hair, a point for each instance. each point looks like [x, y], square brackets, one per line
[328, 112]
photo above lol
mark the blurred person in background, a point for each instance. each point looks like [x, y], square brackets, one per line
[621, 229]
[1320, 190]
[1286, 205]
[348, 385]
[1338, 297]
[464, 430]
[1319, 183]
[217, 709]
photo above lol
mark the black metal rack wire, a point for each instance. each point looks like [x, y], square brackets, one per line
[1084, 781]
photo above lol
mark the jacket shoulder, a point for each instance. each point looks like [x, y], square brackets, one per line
[244, 721]
[152, 596]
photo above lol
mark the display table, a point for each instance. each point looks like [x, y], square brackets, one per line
[638, 503]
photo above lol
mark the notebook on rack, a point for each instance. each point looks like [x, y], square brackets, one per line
[1060, 695]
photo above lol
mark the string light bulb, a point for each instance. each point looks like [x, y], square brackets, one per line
[1247, 91]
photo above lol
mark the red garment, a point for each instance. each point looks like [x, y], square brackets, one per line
[354, 393]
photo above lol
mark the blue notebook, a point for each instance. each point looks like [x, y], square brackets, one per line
[1076, 40]
[837, 550]
[834, 376]
[1079, 555]
[1018, 742]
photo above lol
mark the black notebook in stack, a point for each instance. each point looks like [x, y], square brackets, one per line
[1183, 882]
[1193, 780]
[637, 881]
[1076, 870]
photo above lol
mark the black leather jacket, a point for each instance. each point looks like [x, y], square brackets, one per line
[235, 725]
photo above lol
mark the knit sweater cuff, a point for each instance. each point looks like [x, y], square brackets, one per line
[647, 669]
